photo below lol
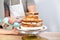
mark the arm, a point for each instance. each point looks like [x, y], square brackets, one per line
[6, 7]
[31, 6]
[2, 31]
[6, 13]
[14, 31]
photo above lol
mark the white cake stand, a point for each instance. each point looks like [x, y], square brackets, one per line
[32, 30]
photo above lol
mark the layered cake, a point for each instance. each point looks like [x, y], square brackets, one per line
[31, 21]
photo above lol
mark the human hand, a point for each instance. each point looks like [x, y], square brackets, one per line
[12, 20]
[15, 31]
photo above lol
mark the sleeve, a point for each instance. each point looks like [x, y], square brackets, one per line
[30, 2]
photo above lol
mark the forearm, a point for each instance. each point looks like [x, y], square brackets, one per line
[2, 31]
[32, 8]
[7, 14]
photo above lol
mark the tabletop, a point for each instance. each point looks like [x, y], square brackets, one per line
[43, 36]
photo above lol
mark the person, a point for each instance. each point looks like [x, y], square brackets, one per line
[6, 9]
[28, 6]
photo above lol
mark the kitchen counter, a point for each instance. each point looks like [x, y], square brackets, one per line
[43, 36]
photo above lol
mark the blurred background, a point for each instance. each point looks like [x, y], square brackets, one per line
[49, 11]
[1, 9]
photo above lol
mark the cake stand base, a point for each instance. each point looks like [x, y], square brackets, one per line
[33, 37]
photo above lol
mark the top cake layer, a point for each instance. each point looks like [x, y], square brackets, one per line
[31, 13]
[32, 20]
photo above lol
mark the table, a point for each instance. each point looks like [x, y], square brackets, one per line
[43, 35]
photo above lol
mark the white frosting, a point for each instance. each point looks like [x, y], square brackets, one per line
[31, 28]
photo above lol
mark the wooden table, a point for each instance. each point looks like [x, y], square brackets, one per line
[43, 35]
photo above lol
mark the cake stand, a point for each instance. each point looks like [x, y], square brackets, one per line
[32, 33]
[32, 30]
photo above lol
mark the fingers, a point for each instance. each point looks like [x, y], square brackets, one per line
[15, 31]
[12, 20]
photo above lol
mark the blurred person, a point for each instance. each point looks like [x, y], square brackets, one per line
[28, 5]
[12, 8]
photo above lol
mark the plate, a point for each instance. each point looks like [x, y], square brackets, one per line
[32, 31]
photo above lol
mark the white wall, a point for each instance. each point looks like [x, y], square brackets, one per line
[49, 11]
[1, 9]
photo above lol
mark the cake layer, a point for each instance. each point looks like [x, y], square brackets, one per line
[32, 20]
[32, 24]
[32, 16]
[31, 13]
[25, 25]
[32, 28]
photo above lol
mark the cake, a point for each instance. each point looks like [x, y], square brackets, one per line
[31, 20]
